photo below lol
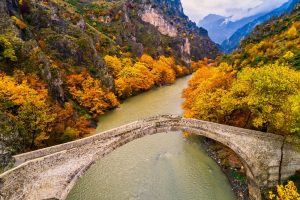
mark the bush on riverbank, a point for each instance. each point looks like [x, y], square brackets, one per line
[285, 192]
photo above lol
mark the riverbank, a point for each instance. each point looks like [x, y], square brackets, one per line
[162, 166]
[230, 165]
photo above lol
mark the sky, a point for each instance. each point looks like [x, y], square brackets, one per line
[236, 9]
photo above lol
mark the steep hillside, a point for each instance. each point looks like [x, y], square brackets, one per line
[275, 41]
[156, 27]
[257, 86]
[64, 63]
[233, 42]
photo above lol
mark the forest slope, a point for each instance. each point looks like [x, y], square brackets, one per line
[64, 63]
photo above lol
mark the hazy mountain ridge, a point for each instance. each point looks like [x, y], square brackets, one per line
[216, 24]
[232, 43]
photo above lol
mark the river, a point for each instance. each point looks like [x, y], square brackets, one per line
[165, 166]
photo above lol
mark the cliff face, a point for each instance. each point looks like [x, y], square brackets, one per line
[55, 37]
[53, 78]
[187, 41]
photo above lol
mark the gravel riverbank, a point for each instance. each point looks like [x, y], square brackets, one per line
[230, 165]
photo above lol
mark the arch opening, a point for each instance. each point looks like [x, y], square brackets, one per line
[67, 162]
[253, 188]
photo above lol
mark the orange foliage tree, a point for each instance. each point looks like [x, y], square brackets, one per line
[73, 126]
[132, 78]
[33, 114]
[91, 94]
[205, 92]
[163, 71]
[40, 122]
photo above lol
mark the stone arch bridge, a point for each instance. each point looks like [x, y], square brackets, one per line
[51, 173]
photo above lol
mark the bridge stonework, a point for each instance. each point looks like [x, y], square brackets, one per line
[51, 173]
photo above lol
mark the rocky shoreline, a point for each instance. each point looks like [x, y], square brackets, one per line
[233, 171]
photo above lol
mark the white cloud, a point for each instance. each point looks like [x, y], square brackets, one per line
[197, 9]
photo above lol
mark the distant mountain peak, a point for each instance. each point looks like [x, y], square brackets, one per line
[216, 24]
[213, 16]
[234, 40]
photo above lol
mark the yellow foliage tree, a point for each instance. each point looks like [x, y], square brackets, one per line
[287, 192]
[133, 79]
[114, 64]
[148, 61]
[34, 118]
[205, 92]
[181, 71]
[21, 93]
[199, 64]
[19, 23]
[265, 92]
[35, 122]
[6, 49]
[163, 71]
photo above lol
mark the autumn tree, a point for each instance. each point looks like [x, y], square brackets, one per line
[163, 71]
[285, 192]
[148, 61]
[33, 116]
[181, 70]
[199, 64]
[205, 92]
[19, 23]
[73, 126]
[6, 49]
[134, 79]
[267, 93]
[114, 64]
[91, 94]
[34, 121]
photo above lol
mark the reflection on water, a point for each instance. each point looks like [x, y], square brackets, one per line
[160, 167]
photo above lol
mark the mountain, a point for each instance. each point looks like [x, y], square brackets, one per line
[255, 87]
[216, 24]
[293, 6]
[273, 42]
[81, 32]
[65, 62]
[230, 44]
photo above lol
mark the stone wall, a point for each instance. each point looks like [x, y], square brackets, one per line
[52, 172]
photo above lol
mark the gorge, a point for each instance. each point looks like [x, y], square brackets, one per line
[83, 81]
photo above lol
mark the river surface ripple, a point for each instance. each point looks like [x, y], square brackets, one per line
[165, 166]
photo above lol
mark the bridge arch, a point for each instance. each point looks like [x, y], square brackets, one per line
[51, 173]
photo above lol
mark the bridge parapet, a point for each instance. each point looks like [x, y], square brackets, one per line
[52, 172]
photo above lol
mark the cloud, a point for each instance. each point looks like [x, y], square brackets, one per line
[197, 9]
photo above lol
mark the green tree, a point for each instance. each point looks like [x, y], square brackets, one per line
[6, 49]
[34, 121]
[267, 93]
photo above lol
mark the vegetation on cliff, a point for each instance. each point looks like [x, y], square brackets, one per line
[257, 86]
[64, 63]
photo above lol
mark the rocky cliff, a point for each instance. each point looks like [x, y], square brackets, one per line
[55, 37]
[54, 78]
